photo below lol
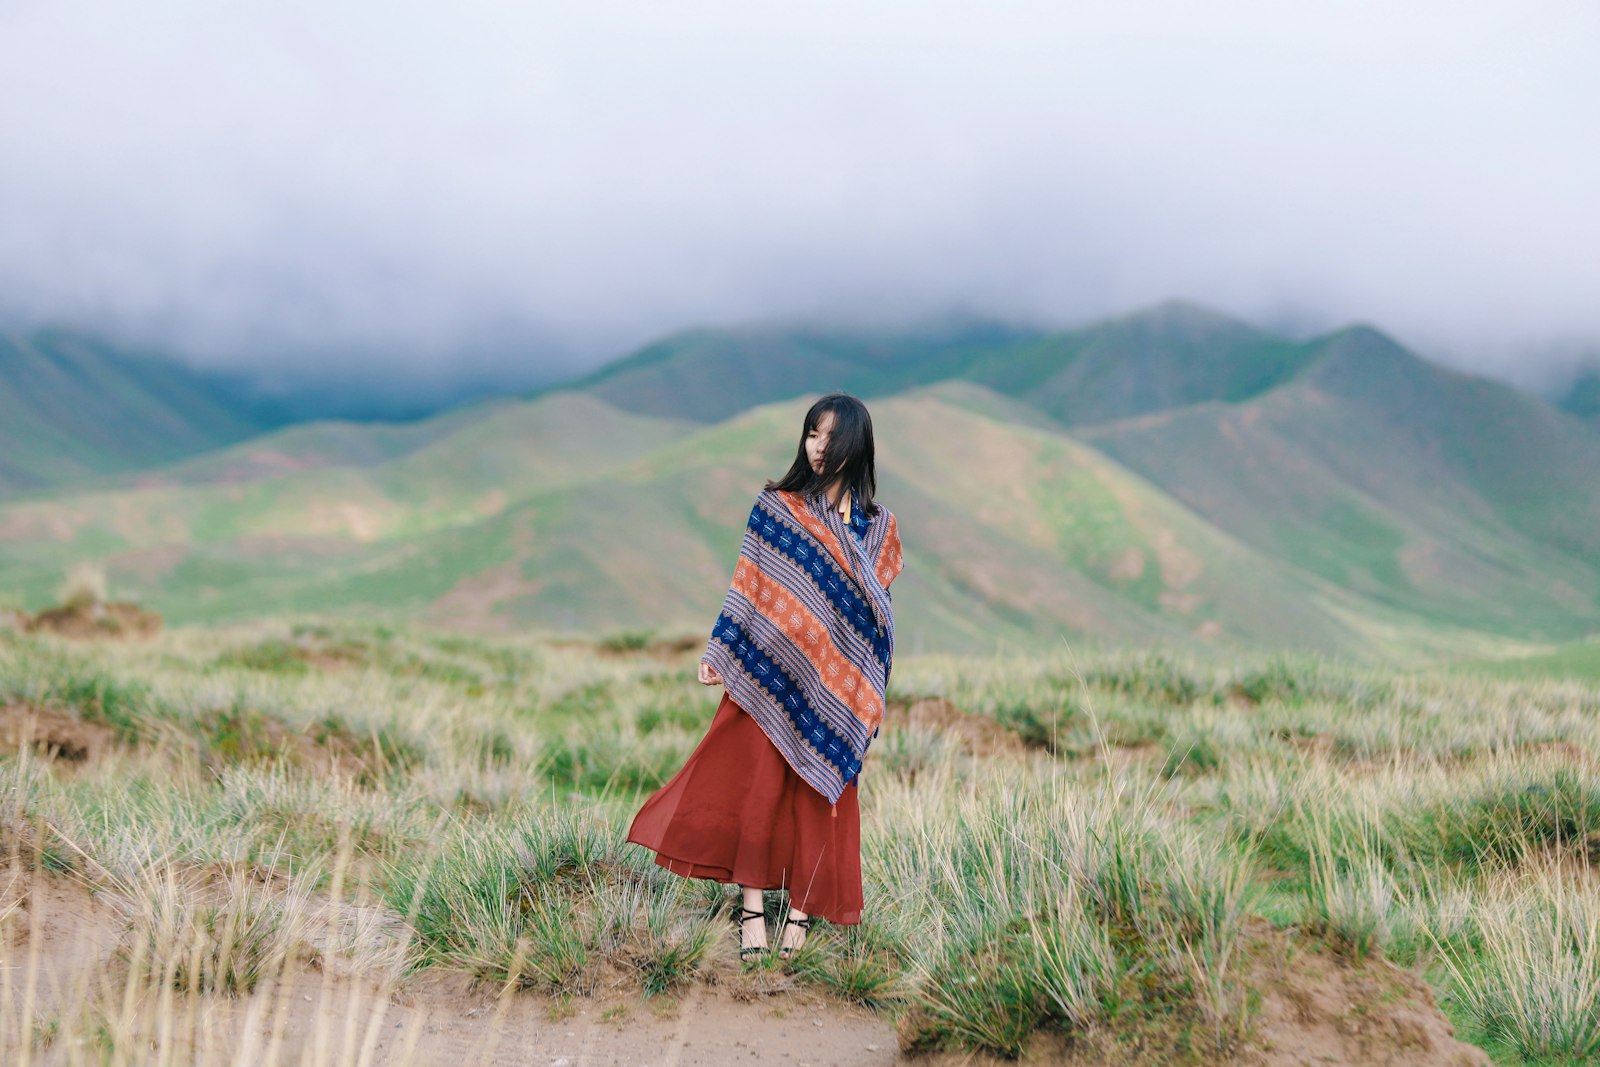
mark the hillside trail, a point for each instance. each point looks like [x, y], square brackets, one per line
[59, 952]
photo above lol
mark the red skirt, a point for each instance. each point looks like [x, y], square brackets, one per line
[737, 812]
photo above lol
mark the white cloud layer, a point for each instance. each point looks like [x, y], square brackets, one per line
[251, 181]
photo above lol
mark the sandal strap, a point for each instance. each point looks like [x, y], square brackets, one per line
[746, 915]
[804, 924]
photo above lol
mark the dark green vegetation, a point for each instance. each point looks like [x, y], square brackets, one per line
[1579, 661]
[1127, 852]
[1583, 397]
[1172, 355]
[72, 409]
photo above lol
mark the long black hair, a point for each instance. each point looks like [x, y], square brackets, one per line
[849, 443]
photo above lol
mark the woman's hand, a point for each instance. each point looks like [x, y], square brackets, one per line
[709, 675]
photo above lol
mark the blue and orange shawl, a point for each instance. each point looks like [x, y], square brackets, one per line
[806, 633]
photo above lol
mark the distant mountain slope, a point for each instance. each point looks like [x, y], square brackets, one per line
[1583, 398]
[710, 375]
[320, 491]
[1166, 356]
[570, 515]
[1428, 490]
[1215, 483]
[71, 407]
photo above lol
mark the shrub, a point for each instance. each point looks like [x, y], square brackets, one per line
[85, 586]
[209, 939]
[986, 994]
[1534, 979]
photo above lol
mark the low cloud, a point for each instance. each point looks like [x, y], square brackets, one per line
[535, 188]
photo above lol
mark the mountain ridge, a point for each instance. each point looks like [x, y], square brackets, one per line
[73, 408]
[1124, 484]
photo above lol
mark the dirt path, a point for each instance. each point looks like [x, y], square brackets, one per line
[61, 975]
[65, 992]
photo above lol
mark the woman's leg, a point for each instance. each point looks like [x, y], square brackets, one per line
[794, 932]
[753, 931]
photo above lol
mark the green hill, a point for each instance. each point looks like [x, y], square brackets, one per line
[1583, 397]
[312, 497]
[567, 514]
[72, 407]
[1427, 490]
[1170, 475]
[710, 375]
[1166, 356]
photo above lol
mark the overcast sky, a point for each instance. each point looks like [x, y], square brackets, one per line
[550, 184]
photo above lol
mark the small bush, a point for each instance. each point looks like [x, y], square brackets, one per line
[1155, 678]
[1039, 724]
[1534, 979]
[274, 656]
[209, 939]
[85, 586]
[1195, 754]
[627, 641]
[987, 994]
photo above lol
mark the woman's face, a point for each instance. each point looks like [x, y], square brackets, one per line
[817, 440]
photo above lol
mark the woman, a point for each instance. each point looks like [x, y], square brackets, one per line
[803, 647]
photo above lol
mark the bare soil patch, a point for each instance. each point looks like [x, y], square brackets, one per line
[1315, 1009]
[53, 734]
[1319, 1009]
[109, 619]
[665, 648]
[978, 734]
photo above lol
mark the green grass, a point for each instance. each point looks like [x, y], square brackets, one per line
[1122, 875]
[1578, 661]
[1106, 544]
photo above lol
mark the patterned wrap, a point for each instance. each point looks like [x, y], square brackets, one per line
[805, 638]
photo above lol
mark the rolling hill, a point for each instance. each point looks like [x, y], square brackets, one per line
[72, 408]
[566, 514]
[1162, 357]
[1583, 397]
[1170, 475]
[1427, 490]
[313, 497]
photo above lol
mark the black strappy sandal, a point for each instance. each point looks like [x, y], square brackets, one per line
[787, 952]
[753, 952]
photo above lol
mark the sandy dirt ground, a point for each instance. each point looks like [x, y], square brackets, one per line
[58, 953]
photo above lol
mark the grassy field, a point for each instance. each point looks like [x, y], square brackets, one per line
[1578, 661]
[1110, 856]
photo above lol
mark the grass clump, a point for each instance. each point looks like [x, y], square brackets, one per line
[1041, 724]
[200, 936]
[1510, 819]
[1534, 980]
[627, 641]
[854, 965]
[984, 994]
[1155, 678]
[84, 587]
[1349, 895]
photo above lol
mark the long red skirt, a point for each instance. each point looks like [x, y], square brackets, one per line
[737, 812]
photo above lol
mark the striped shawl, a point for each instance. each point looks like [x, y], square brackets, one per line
[805, 637]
